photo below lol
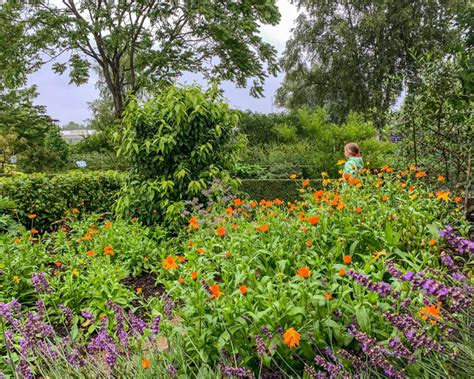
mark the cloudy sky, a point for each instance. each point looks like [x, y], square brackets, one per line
[67, 102]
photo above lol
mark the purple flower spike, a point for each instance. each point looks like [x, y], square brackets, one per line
[40, 283]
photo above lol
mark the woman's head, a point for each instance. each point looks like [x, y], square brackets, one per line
[351, 150]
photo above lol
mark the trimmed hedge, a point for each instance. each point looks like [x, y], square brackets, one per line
[269, 189]
[50, 196]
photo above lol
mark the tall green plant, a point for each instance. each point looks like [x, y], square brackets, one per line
[175, 143]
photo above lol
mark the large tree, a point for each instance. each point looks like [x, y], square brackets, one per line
[144, 43]
[356, 55]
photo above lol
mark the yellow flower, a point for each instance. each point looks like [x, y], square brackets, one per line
[443, 195]
[377, 255]
[16, 279]
[340, 172]
[324, 174]
[341, 162]
[75, 272]
[293, 176]
[326, 182]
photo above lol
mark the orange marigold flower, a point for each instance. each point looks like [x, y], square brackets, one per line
[431, 312]
[193, 223]
[293, 176]
[146, 363]
[263, 228]
[134, 219]
[458, 199]
[181, 258]
[75, 210]
[328, 296]
[342, 272]
[17, 240]
[443, 195]
[432, 242]
[108, 225]
[313, 220]
[34, 231]
[215, 291]
[384, 198]
[31, 216]
[420, 174]
[238, 202]
[90, 253]
[190, 243]
[108, 250]
[228, 254]
[306, 182]
[291, 338]
[58, 264]
[308, 243]
[181, 280]
[441, 178]
[304, 272]
[235, 226]
[194, 275]
[411, 189]
[87, 237]
[243, 289]
[278, 201]
[302, 216]
[139, 290]
[403, 185]
[229, 211]
[253, 204]
[169, 263]
[347, 259]
[200, 250]
[220, 231]
[358, 210]
[318, 194]
[412, 167]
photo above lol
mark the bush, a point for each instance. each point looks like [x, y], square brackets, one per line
[175, 144]
[98, 161]
[269, 189]
[50, 196]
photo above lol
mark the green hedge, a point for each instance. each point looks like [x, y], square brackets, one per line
[49, 196]
[269, 189]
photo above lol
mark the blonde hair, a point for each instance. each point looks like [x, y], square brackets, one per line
[353, 148]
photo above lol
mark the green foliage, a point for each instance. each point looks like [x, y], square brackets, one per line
[355, 56]
[50, 196]
[269, 189]
[98, 161]
[312, 144]
[149, 43]
[175, 143]
[435, 119]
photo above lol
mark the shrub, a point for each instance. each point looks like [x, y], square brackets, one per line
[175, 143]
[283, 189]
[50, 196]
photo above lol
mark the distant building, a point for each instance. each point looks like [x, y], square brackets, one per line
[75, 136]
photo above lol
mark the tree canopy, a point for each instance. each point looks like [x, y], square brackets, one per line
[142, 44]
[353, 55]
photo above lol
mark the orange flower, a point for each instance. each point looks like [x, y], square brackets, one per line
[220, 231]
[384, 198]
[215, 291]
[87, 237]
[432, 242]
[194, 275]
[253, 204]
[412, 167]
[302, 216]
[263, 228]
[308, 243]
[293, 176]
[304, 272]
[291, 338]
[228, 254]
[411, 189]
[229, 211]
[34, 231]
[181, 258]
[193, 223]
[235, 226]
[134, 219]
[441, 178]
[181, 280]
[237, 202]
[358, 210]
[200, 250]
[302, 190]
[443, 195]
[318, 194]
[146, 363]
[420, 174]
[75, 210]
[169, 263]
[430, 312]
[243, 289]
[17, 240]
[347, 259]
[190, 243]
[306, 182]
[139, 290]
[278, 201]
[327, 296]
[108, 225]
[31, 216]
[58, 264]
[108, 250]
[403, 185]
[313, 220]
[342, 272]
[458, 199]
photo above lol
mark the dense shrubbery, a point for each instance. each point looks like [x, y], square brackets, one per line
[51, 197]
[358, 277]
[175, 144]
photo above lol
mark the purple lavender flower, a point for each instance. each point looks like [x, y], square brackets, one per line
[260, 347]
[447, 260]
[24, 369]
[382, 288]
[172, 371]
[357, 363]
[331, 368]
[156, 325]
[85, 313]
[239, 372]
[266, 332]
[169, 305]
[458, 276]
[399, 351]
[67, 312]
[40, 283]
[313, 373]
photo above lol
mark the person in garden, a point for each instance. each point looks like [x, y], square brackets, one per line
[354, 161]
